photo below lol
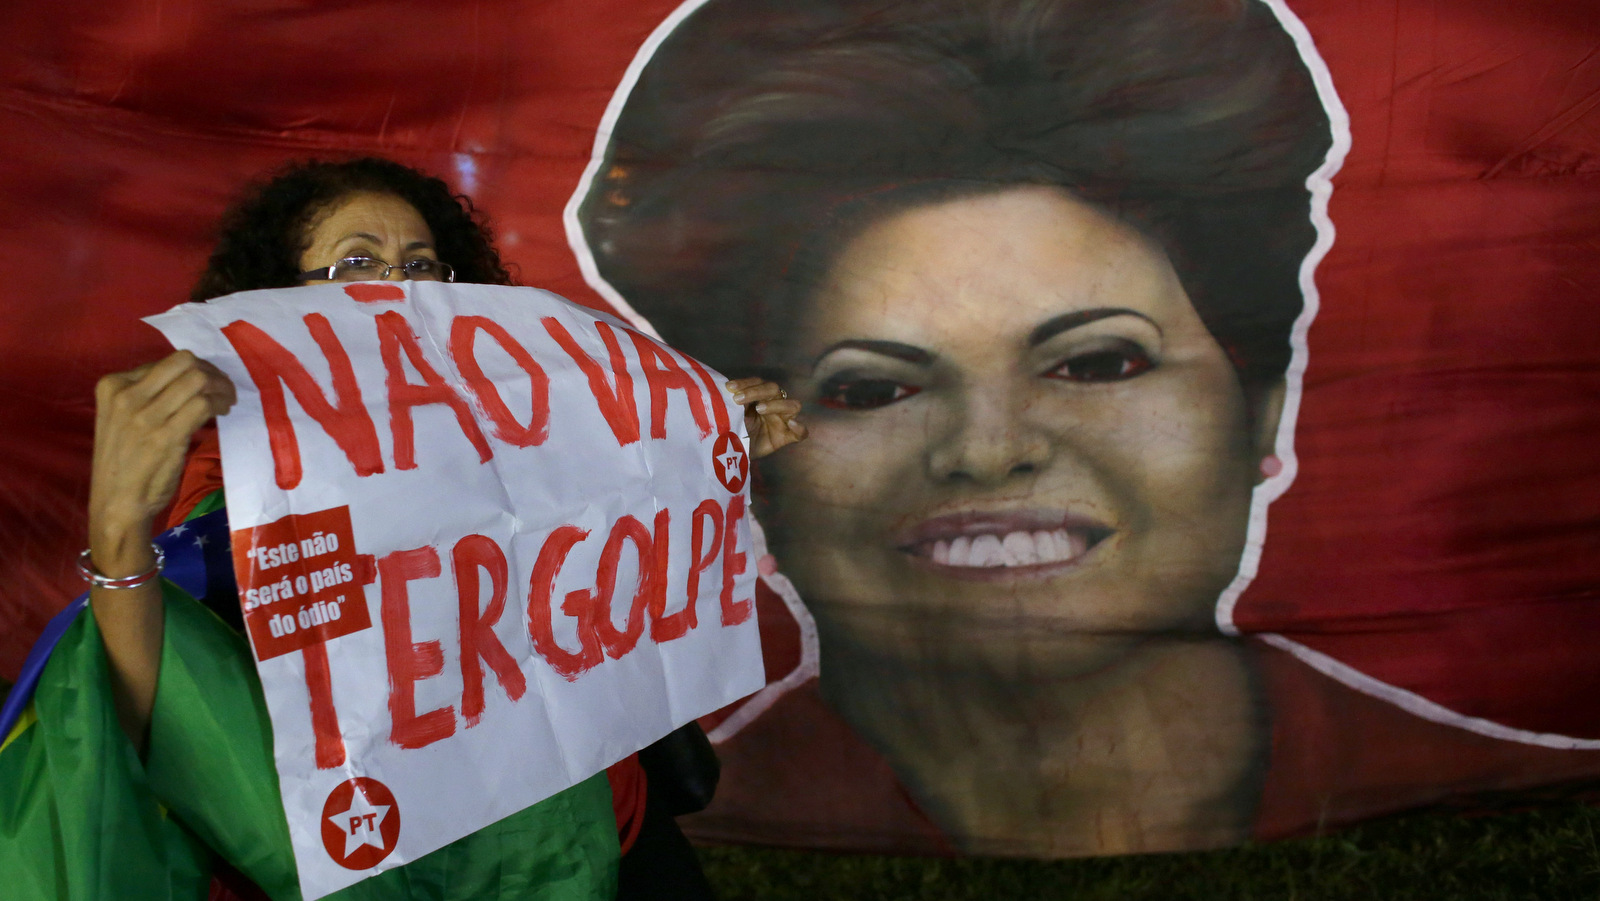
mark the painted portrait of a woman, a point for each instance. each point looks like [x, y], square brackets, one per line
[1041, 273]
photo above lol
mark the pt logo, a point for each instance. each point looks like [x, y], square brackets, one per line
[360, 823]
[730, 461]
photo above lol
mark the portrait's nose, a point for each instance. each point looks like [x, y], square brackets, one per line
[396, 274]
[991, 438]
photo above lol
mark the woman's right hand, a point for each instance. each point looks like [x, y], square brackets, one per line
[144, 419]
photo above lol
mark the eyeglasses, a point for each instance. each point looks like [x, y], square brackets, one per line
[368, 269]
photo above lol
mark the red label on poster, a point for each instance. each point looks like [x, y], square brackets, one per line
[300, 581]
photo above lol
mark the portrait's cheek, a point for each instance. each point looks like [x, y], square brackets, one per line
[1179, 459]
[845, 456]
[835, 494]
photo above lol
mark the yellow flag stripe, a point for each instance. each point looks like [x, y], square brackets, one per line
[26, 720]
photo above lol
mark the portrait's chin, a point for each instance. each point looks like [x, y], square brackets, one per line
[1002, 638]
[971, 649]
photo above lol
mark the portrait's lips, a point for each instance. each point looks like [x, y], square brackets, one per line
[1002, 544]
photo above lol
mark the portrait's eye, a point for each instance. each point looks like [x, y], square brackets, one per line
[843, 392]
[1121, 360]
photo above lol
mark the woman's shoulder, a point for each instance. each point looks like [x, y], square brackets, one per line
[1339, 755]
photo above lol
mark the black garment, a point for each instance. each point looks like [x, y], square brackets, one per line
[661, 865]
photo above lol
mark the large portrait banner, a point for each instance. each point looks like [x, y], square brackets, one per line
[487, 542]
[1049, 277]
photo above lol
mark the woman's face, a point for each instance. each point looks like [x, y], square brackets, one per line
[1026, 450]
[380, 226]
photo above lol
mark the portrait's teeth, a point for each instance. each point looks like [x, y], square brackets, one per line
[1017, 550]
[1044, 543]
[1063, 546]
[986, 551]
[1014, 549]
[1073, 544]
[961, 551]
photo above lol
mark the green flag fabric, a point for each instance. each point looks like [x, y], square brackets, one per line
[78, 818]
[83, 818]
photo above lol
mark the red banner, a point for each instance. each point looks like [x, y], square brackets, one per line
[1343, 562]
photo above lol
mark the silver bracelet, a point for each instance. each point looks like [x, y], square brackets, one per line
[93, 576]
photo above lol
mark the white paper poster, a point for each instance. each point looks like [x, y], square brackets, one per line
[488, 542]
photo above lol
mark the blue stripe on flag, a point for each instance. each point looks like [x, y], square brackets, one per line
[197, 556]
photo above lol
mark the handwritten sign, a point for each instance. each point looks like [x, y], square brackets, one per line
[488, 542]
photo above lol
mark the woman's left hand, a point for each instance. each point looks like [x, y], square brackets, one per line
[769, 414]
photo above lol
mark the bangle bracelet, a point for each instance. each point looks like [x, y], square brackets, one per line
[93, 576]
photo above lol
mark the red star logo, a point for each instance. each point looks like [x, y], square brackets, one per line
[360, 823]
[730, 461]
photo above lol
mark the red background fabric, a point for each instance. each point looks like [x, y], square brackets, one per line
[1443, 530]
[1443, 533]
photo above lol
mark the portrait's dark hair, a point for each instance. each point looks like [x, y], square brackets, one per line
[260, 239]
[763, 134]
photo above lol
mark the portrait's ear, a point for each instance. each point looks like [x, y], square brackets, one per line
[1267, 410]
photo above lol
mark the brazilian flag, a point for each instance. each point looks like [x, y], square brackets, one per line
[77, 816]
[83, 818]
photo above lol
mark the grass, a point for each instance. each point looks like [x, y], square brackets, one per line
[1551, 854]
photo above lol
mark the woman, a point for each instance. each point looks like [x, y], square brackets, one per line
[361, 220]
[1036, 266]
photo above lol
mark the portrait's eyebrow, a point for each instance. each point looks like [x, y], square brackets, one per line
[907, 352]
[1068, 321]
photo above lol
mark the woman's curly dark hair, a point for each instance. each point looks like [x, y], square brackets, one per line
[260, 239]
